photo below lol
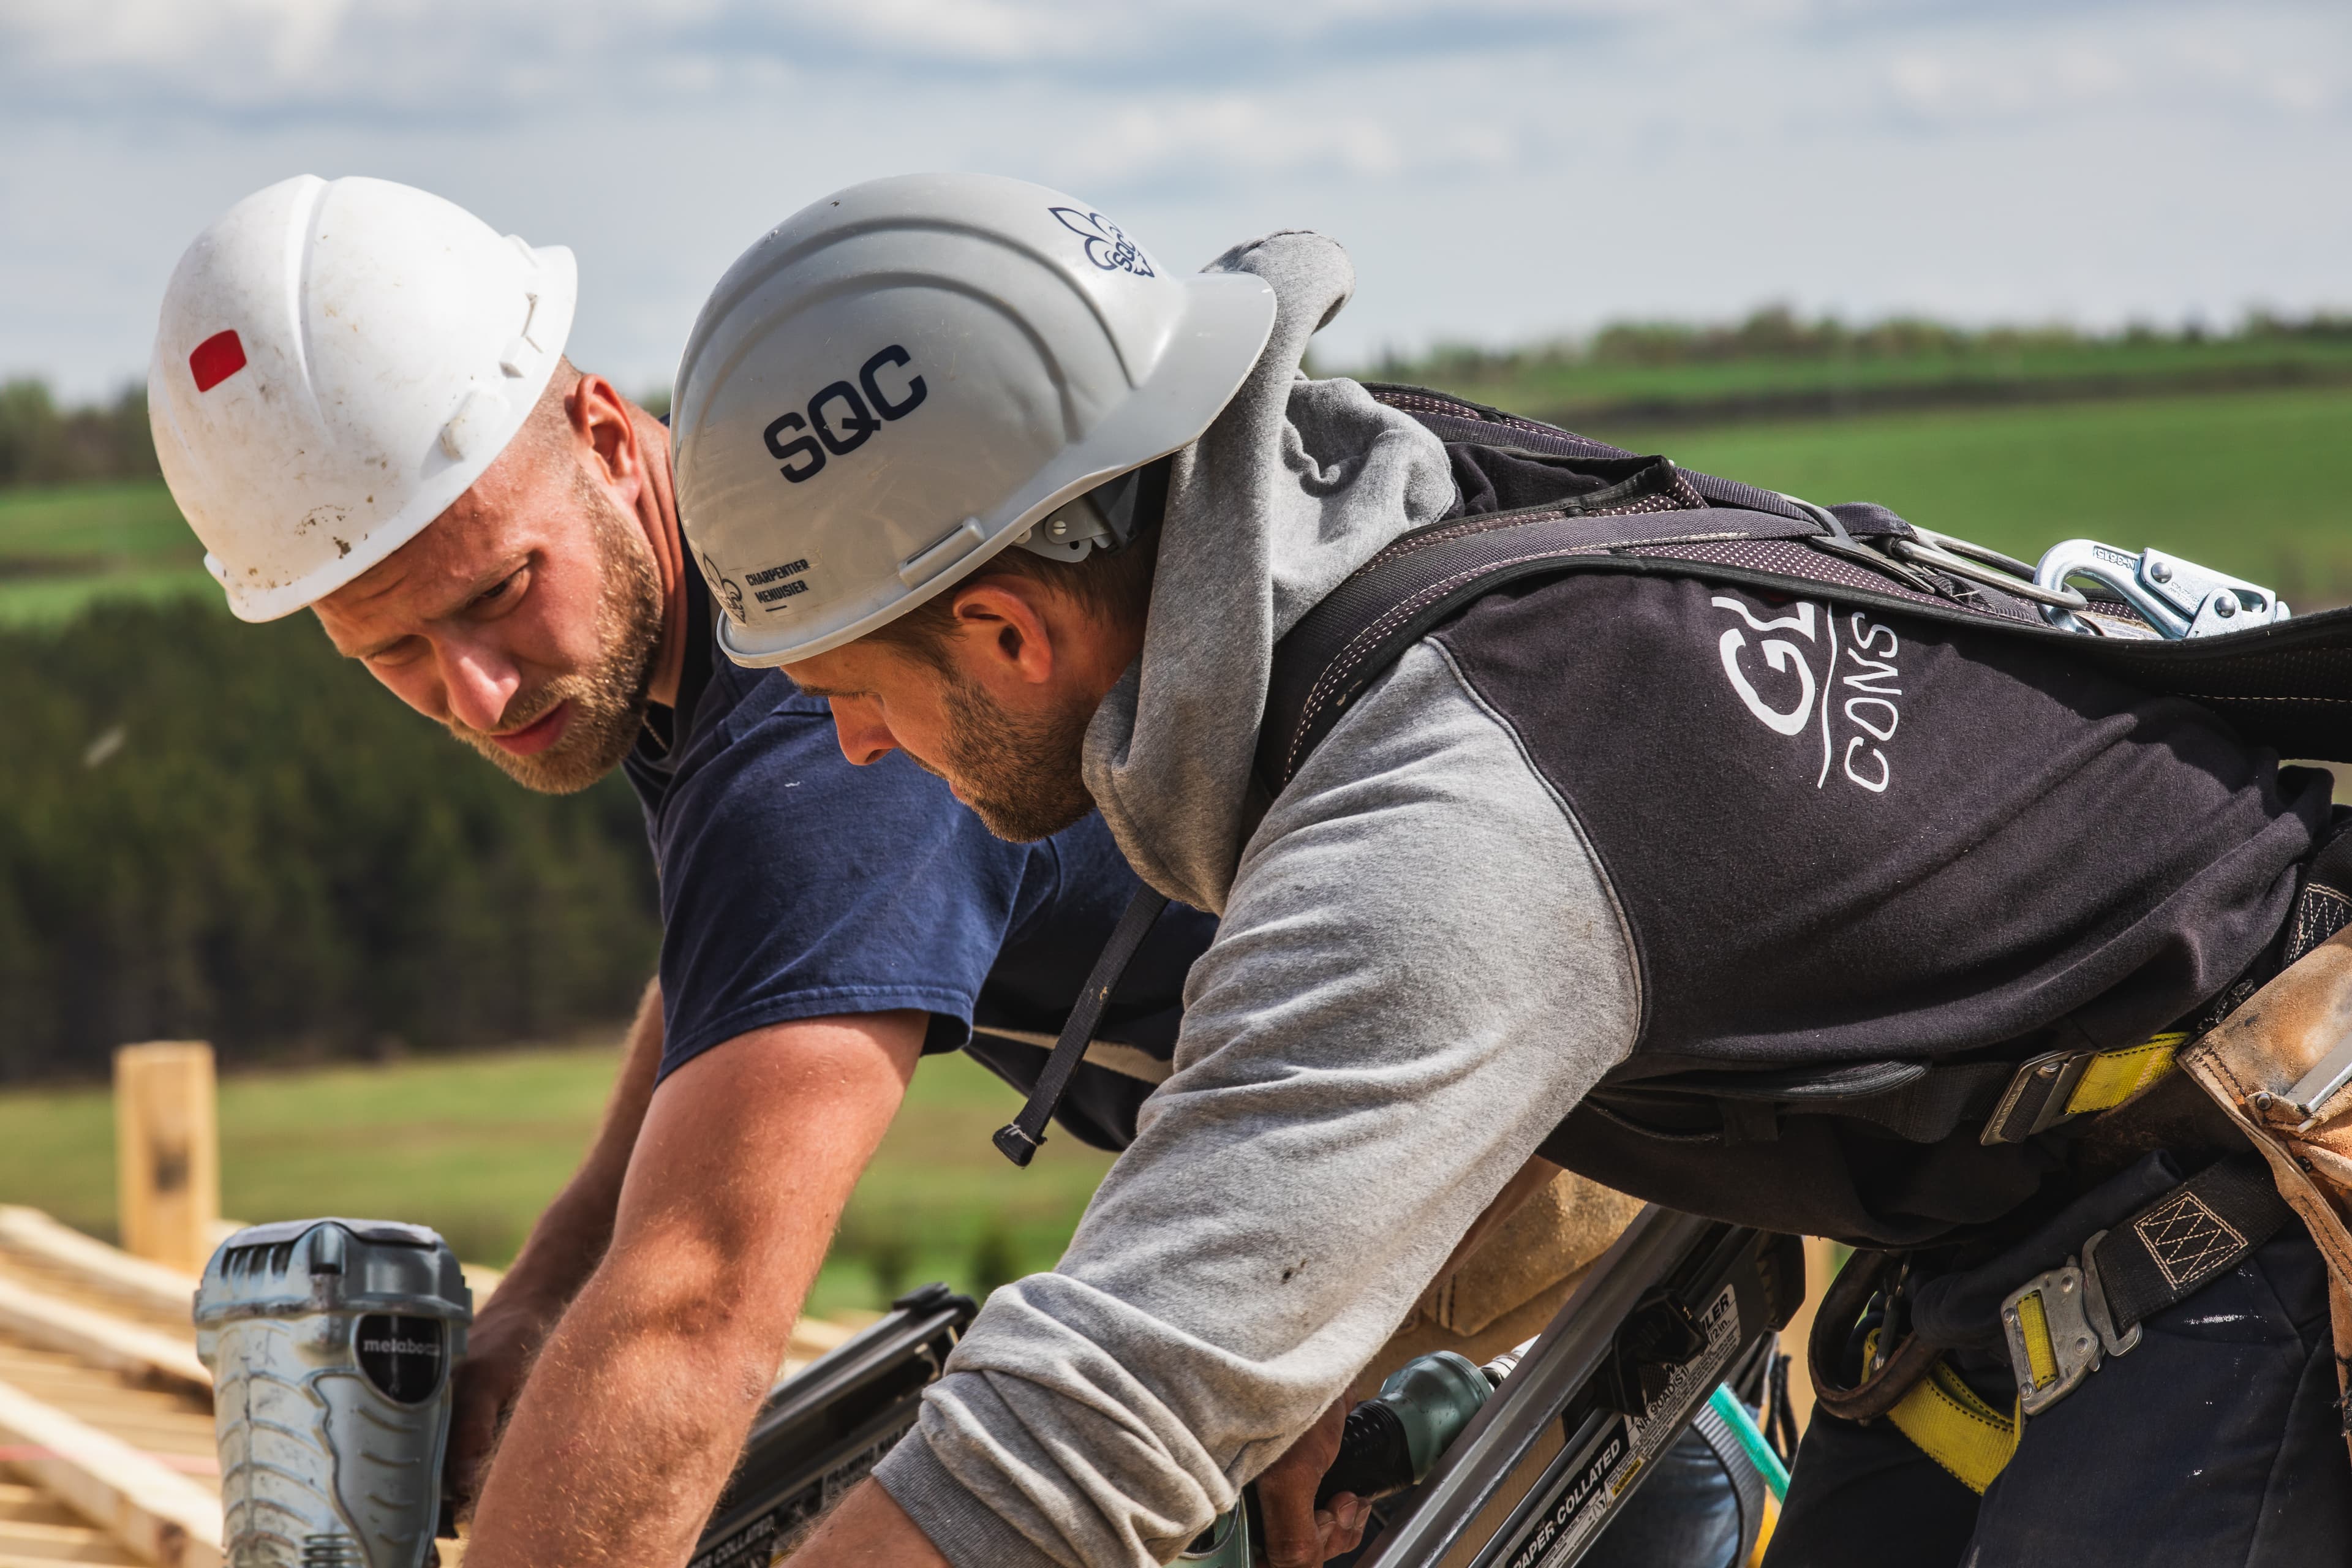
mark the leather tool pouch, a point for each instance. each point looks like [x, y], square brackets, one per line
[2281, 1067]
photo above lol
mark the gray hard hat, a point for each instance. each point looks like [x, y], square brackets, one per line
[910, 375]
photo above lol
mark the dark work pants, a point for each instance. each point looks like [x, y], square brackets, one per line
[2216, 1443]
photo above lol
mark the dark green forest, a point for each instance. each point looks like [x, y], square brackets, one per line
[226, 832]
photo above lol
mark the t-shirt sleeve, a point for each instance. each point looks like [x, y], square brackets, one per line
[796, 886]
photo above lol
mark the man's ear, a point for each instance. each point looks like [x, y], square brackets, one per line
[1003, 631]
[600, 416]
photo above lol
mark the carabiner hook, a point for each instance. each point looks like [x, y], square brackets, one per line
[2179, 598]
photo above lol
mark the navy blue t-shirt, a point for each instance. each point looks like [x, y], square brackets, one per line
[796, 886]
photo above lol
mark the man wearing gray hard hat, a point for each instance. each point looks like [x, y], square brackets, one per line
[1760, 859]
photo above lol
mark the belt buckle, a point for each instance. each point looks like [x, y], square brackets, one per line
[2046, 1314]
[2036, 1097]
[2063, 1314]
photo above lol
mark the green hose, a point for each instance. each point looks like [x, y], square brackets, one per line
[1734, 1414]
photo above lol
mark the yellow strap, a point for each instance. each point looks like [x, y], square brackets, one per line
[2041, 1357]
[2115, 1077]
[1952, 1426]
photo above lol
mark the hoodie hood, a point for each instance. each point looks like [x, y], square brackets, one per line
[1296, 484]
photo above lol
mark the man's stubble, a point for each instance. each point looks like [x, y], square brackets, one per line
[1023, 778]
[609, 699]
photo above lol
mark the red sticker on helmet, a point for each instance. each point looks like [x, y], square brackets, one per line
[216, 359]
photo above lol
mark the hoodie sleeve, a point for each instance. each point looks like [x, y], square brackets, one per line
[1419, 972]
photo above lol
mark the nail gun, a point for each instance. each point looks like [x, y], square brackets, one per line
[331, 1342]
[1524, 1462]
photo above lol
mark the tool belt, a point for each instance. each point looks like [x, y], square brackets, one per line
[2073, 1293]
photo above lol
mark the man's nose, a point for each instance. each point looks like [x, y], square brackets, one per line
[480, 684]
[865, 738]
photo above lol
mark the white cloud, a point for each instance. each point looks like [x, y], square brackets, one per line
[1498, 167]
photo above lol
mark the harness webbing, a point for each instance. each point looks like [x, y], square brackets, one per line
[2285, 684]
[1018, 1139]
[2061, 1324]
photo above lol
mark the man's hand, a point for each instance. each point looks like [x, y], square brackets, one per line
[1297, 1533]
[499, 1349]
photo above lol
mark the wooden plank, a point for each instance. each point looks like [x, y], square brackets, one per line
[167, 1151]
[30, 1505]
[137, 1352]
[106, 1269]
[57, 1543]
[161, 1516]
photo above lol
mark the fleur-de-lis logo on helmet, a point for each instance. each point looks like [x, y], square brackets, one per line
[1107, 246]
[726, 587]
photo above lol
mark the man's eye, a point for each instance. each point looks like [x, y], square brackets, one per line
[504, 589]
[404, 651]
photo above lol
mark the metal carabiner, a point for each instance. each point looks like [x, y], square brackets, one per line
[2179, 598]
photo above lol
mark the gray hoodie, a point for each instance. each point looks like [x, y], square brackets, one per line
[1420, 971]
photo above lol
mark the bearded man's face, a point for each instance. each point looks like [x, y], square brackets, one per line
[602, 704]
[1020, 771]
[526, 619]
[1022, 776]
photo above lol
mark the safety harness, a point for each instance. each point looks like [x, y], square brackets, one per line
[2090, 1277]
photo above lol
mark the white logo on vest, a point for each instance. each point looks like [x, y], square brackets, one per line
[1866, 678]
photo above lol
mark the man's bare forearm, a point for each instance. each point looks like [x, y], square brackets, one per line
[565, 1245]
[570, 1238]
[637, 1407]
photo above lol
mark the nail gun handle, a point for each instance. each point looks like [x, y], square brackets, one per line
[1375, 1458]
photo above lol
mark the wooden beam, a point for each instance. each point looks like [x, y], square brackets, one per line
[167, 1151]
[105, 1269]
[163, 1517]
[147, 1355]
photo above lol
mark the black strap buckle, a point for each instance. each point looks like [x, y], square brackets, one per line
[2035, 1099]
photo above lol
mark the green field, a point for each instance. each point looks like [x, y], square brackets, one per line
[2258, 484]
[476, 1146]
[61, 549]
[1854, 376]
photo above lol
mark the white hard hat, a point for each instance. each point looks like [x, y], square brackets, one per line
[336, 363]
[906, 377]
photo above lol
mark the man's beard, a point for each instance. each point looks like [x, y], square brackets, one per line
[609, 697]
[1022, 777]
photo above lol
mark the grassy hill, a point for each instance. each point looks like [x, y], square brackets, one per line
[476, 1146]
[63, 546]
[2258, 484]
[1775, 365]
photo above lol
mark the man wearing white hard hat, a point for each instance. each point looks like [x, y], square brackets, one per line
[1770, 861]
[362, 403]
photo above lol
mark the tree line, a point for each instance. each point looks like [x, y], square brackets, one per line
[226, 832]
[43, 444]
[1778, 332]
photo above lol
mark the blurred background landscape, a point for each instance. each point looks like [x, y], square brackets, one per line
[2068, 271]
[224, 831]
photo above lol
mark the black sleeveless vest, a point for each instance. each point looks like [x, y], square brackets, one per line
[1852, 835]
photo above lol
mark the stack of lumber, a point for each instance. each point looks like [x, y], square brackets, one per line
[106, 1426]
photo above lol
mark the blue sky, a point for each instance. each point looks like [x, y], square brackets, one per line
[1499, 169]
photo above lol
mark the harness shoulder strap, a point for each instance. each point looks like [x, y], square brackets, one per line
[2285, 684]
